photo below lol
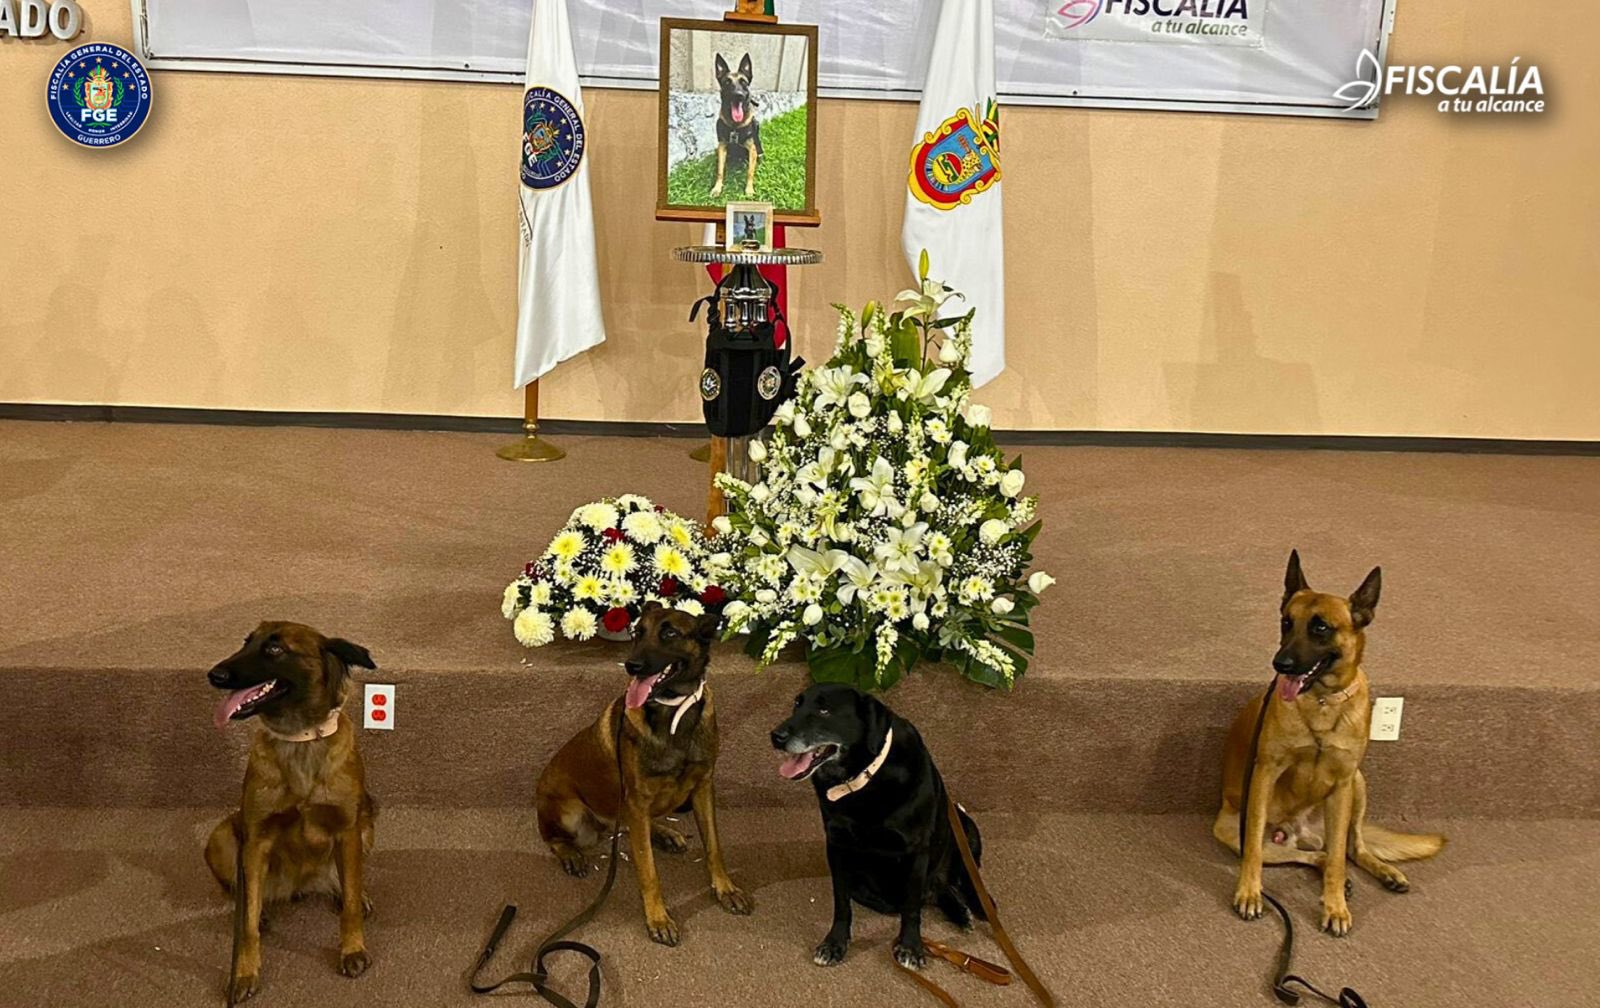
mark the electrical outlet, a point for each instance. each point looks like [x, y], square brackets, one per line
[379, 706]
[1386, 719]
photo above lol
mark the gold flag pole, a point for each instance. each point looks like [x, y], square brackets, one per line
[532, 447]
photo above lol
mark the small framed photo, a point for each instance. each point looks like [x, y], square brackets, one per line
[748, 227]
[737, 120]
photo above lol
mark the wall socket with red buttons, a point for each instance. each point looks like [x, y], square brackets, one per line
[379, 706]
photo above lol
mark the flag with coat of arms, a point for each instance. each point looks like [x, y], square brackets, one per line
[558, 288]
[953, 190]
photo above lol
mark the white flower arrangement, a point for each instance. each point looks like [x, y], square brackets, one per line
[609, 560]
[886, 526]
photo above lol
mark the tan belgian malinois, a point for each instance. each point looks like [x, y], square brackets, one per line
[1308, 798]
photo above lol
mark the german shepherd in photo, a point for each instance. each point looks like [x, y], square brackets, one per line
[304, 823]
[662, 733]
[738, 131]
[1308, 797]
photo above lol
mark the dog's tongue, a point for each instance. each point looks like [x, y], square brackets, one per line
[794, 766]
[230, 705]
[1289, 687]
[738, 113]
[639, 690]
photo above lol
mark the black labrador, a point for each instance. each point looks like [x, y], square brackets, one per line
[890, 846]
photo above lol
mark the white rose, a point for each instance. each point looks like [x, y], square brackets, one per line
[766, 596]
[896, 425]
[1038, 581]
[929, 502]
[785, 413]
[1011, 482]
[992, 530]
[722, 523]
[759, 538]
[958, 454]
[920, 621]
[734, 610]
[757, 451]
[874, 342]
[1001, 606]
[978, 416]
[860, 405]
[802, 426]
[813, 615]
[948, 354]
[844, 531]
[760, 493]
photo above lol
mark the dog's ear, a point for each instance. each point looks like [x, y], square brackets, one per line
[649, 607]
[706, 627]
[875, 716]
[747, 69]
[720, 66]
[349, 653]
[1364, 600]
[1294, 580]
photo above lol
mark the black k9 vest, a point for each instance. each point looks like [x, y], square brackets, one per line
[747, 375]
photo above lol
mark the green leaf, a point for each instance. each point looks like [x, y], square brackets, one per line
[1020, 637]
[904, 345]
[838, 664]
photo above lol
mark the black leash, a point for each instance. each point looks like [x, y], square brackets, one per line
[1282, 976]
[539, 976]
[238, 910]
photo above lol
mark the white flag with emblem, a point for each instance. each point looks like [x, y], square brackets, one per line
[953, 192]
[558, 288]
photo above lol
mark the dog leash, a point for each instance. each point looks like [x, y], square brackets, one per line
[238, 909]
[1283, 976]
[539, 976]
[980, 968]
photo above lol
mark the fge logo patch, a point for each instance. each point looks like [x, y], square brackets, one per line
[99, 95]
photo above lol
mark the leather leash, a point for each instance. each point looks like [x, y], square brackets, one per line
[1282, 976]
[980, 968]
[539, 975]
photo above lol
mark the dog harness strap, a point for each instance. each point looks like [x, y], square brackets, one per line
[683, 704]
[1282, 977]
[328, 727]
[863, 778]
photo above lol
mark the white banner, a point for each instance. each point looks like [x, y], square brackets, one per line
[1291, 56]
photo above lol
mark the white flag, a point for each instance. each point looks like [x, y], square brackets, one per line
[953, 193]
[558, 288]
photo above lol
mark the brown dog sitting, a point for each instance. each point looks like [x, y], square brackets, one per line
[663, 735]
[1308, 798]
[305, 820]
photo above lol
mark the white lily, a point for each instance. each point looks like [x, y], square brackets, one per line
[899, 549]
[834, 386]
[875, 490]
[923, 388]
[858, 577]
[809, 561]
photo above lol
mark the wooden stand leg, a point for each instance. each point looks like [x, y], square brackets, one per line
[716, 504]
[532, 447]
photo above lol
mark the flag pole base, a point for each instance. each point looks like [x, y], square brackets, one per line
[532, 447]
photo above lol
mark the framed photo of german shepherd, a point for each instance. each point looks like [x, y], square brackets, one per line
[738, 123]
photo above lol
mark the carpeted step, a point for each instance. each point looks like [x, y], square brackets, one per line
[1059, 743]
[114, 906]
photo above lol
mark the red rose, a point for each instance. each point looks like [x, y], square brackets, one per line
[669, 587]
[613, 534]
[713, 596]
[616, 619]
[530, 570]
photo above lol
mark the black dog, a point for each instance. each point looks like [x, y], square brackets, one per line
[890, 846]
[736, 123]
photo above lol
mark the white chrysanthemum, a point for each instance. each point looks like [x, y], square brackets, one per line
[599, 516]
[533, 628]
[618, 560]
[976, 589]
[588, 588]
[670, 561]
[511, 599]
[805, 588]
[566, 546]
[635, 502]
[681, 534]
[578, 624]
[644, 526]
[539, 595]
[691, 606]
[620, 592]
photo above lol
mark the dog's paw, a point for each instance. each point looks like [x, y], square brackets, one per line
[353, 964]
[735, 900]
[574, 863]
[1393, 879]
[1336, 919]
[1247, 902]
[716, 190]
[830, 952]
[663, 931]
[668, 839]
[244, 988]
[910, 956]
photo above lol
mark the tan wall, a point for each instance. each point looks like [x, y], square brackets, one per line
[319, 244]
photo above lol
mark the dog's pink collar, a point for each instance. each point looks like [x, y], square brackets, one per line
[863, 778]
[683, 704]
[312, 734]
